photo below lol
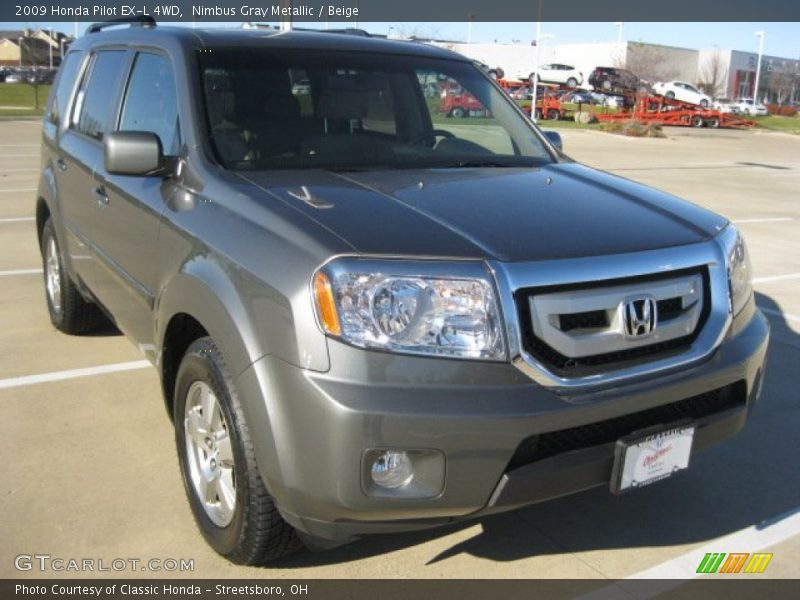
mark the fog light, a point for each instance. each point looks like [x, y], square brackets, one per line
[392, 469]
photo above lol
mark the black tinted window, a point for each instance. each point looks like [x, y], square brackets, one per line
[269, 108]
[66, 81]
[150, 102]
[94, 106]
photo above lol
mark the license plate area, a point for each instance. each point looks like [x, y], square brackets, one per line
[646, 457]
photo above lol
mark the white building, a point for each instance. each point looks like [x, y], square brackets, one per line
[721, 73]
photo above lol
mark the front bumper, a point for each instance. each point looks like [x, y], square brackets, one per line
[317, 426]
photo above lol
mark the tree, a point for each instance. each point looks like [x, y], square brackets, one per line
[649, 63]
[712, 76]
[783, 82]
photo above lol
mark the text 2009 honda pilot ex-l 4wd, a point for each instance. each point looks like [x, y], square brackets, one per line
[368, 316]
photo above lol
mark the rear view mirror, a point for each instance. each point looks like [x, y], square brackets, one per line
[132, 153]
[554, 138]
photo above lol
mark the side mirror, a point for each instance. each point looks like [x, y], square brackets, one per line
[554, 138]
[133, 153]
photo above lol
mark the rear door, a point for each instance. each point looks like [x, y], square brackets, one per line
[127, 228]
[80, 151]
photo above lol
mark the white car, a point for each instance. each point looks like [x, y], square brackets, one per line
[749, 107]
[726, 106]
[682, 91]
[558, 73]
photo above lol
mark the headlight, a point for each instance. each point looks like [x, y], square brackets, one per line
[419, 314]
[740, 277]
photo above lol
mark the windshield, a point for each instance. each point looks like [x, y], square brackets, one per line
[279, 109]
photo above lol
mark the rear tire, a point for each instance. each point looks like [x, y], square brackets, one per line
[235, 514]
[68, 310]
[713, 123]
[458, 113]
[572, 82]
[698, 121]
[553, 114]
[670, 95]
[704, 103]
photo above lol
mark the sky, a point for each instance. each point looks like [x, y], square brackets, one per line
[782, 39]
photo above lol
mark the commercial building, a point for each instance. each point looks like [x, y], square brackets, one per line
[720, 73]
[32, 48]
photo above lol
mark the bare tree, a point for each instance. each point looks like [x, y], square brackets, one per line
[711, 79]
[648, 62]
[782, 83]
[417, 31]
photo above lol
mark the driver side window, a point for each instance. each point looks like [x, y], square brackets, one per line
[455, 110]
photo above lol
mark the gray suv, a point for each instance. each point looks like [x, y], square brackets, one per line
[368, 317]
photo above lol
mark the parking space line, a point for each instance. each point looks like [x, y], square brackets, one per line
[17, 190]
[20, 272]
[778, 313]
[674, 573]
[776, 278]
[765, 220]
[769, 532]
[17, 219]
[13, 382]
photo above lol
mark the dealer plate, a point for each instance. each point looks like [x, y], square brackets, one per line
[651, 457]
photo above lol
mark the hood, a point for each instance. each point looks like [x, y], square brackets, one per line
[509, 214]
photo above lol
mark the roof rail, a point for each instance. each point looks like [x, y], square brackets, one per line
[136, 21]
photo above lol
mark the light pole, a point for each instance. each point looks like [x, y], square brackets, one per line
[470, 19]
[620, 29]
[50, 46]
[540, 37]
[20, 51]
[760, 34]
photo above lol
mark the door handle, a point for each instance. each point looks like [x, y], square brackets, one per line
[100, 196]
[62, 166]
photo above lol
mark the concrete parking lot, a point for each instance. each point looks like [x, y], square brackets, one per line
[89, 466]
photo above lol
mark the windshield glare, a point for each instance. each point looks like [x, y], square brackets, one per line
[279, 109]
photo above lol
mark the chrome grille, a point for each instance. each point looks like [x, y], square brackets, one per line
[584, 326]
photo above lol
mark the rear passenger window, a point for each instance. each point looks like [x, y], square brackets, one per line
[66, 81]
[94, 106]
[151, 103]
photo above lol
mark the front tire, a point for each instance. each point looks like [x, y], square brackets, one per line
[230, 503]
[68, 311]
[572, 83]
[458, 113]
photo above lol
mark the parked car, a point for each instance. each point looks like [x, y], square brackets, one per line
[749, 107]
[301, 88]
[610, 79]
[579, 97]
[14, 78]
[681, 91]
[369, 319]
[558, 73]
[725, 105]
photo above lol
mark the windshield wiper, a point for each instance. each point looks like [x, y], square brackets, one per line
[473, 163]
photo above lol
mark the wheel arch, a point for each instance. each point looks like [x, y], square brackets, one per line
[197, 302]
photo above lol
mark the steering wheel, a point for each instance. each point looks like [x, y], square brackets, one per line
[430, 135]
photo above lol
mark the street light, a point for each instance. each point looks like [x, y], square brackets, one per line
[620, 28]
[540, 37]
[760, 34]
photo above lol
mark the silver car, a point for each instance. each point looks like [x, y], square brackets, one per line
[367, 317]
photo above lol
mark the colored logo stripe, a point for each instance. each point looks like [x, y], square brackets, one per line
[734, 562]
[758, 562]
[753, 563]
[710, 562]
